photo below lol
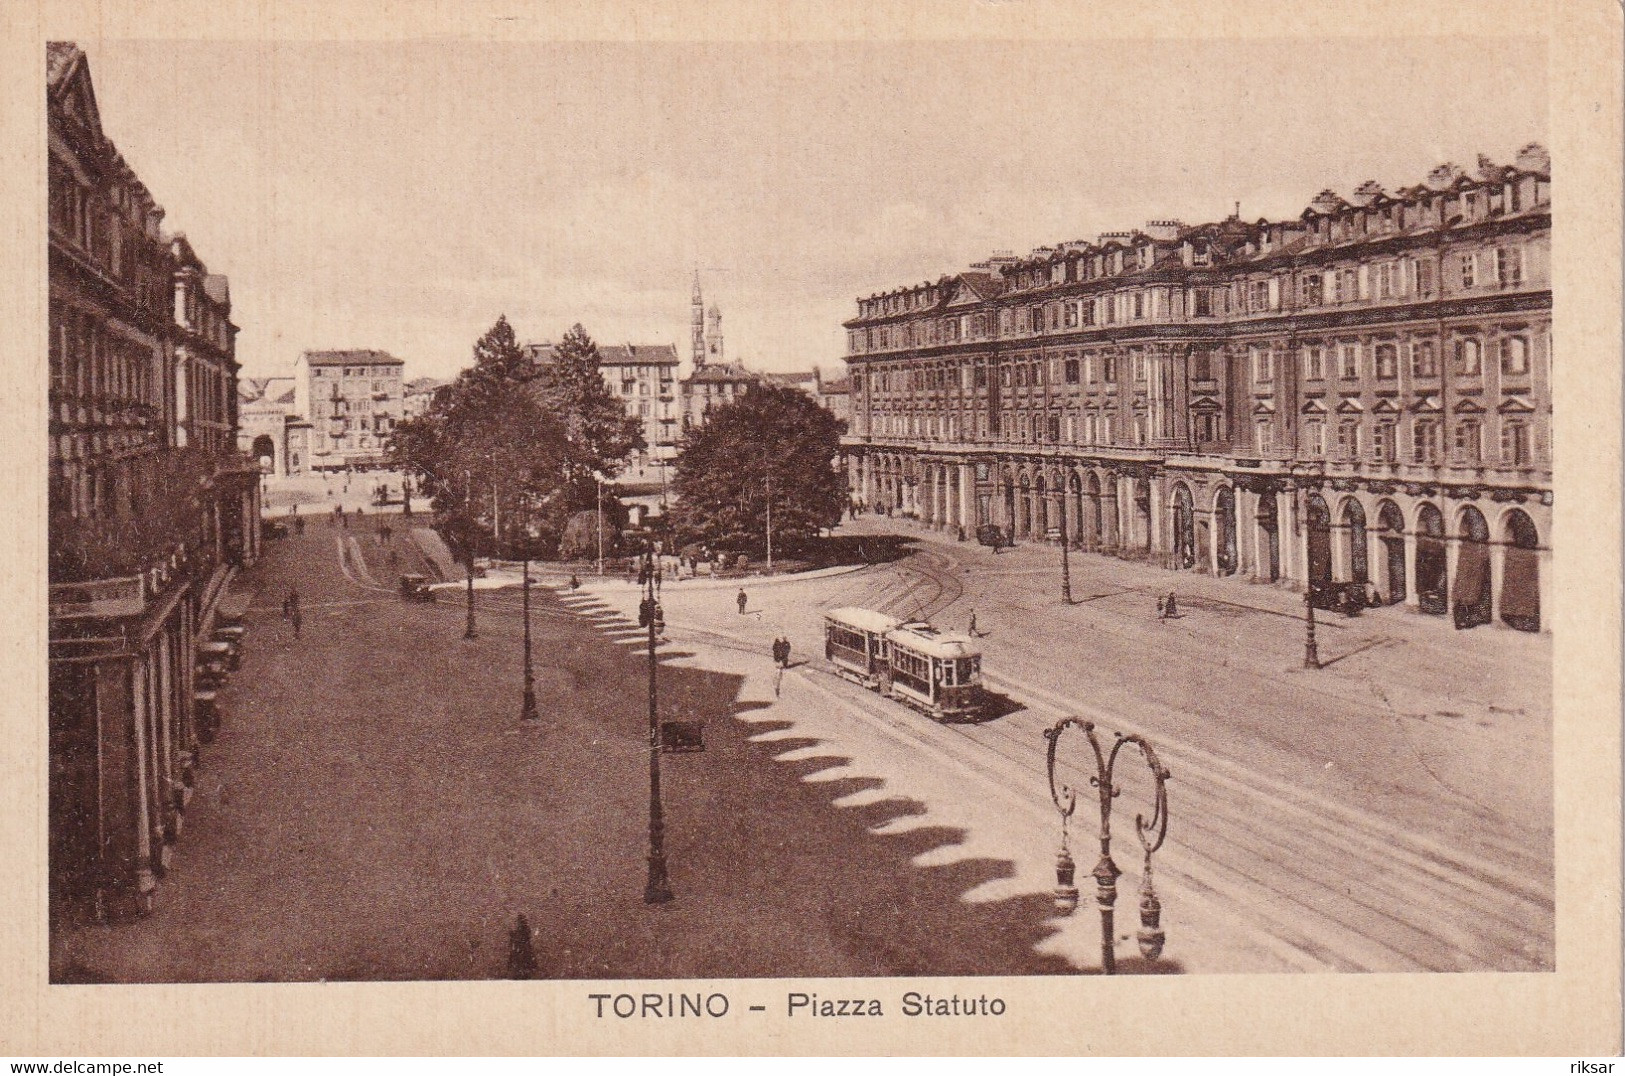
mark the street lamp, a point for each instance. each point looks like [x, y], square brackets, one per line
[770, 520]
[468, 551]
[1150, 831]
[657, 890]
[527, 709]
[1311, 650]
[600, 480]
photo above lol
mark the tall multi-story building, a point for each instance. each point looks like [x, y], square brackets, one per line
[353, 400]
[151, 506]
[1358, 395]
[644, 378]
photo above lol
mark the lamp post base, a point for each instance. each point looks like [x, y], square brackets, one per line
[527, 711]
[658, 889]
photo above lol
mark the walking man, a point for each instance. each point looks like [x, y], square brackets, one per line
[971, 631]
[741, 601]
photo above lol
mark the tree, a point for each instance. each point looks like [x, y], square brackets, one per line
[772, 446]
[487, 452]
[599, 435]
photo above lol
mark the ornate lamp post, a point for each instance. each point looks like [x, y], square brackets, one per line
[1150, 832]
[657, 890]
[1311, 650]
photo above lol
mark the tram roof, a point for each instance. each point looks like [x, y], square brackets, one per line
[925, 639]
[864, 619]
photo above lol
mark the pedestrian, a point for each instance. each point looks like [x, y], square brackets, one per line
[297, 621]
[575, 584]
[741, 600]
[291, 602]
[1172, 606]
[971, 631]
[299, 524]
[784, 653]
[1162, 609]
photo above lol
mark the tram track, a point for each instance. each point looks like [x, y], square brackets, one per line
[1345, 890]
[1318, 884]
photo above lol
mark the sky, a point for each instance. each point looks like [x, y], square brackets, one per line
[402, 196]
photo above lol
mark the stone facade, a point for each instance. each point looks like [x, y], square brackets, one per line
[1358, 395]
[152, 508]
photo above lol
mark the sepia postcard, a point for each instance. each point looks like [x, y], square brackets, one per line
[713, 528]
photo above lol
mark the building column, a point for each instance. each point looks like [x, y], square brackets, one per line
[1498, 567]
[1156, 516]
[1284, 502]
[1544, 560]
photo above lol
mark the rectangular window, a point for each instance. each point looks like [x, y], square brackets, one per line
[1071, 371]
[1260, 296]
[1508, 266]
[1310, 292]
[1202, 365]
[1514, 442]
[1385, 280]
[1207, 427]
[1424, 361]
[1088, 308]
[1263, 436]
[1424, 278]
[1387, 362]
[1071, 315]
[1139, 305]
[1204, 303]
[1349, 364]
[1425, 441]
[1382, 442]
[1469, 445]
[1314, 438]
[1468, 264]
[1263, 367]
[1469, 358]
[1514, 356]
[1137, 357]
[1314, 363]
[1348, 439]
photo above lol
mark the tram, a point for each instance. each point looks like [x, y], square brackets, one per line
[936, 672]
[855, 643]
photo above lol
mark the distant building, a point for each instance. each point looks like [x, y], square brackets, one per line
[713, 382]
[802, 381]
[266, 411]
[353, 400]
[834, 394]
[644, 378]
[152, 508]
[418, 394]
[712, 386]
